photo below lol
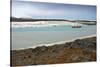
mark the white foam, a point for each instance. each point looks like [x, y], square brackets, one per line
[42, 24]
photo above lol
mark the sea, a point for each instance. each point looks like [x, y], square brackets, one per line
[33, 35]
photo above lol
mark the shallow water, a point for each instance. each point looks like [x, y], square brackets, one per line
[33, 36]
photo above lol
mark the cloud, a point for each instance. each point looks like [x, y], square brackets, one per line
[49, 10]
[28, 10]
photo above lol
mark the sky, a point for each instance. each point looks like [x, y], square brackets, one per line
[42, 10]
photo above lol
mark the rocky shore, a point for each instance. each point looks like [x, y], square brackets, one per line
[80, 50]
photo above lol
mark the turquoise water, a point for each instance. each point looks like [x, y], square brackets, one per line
[53, 28]
[33, 36]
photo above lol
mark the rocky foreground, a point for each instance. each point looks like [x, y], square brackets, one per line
[80, 50]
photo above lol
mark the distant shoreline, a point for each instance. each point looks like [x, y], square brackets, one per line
[57, 43]
[14, 19]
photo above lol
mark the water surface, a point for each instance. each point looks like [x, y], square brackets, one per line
[33, 36]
